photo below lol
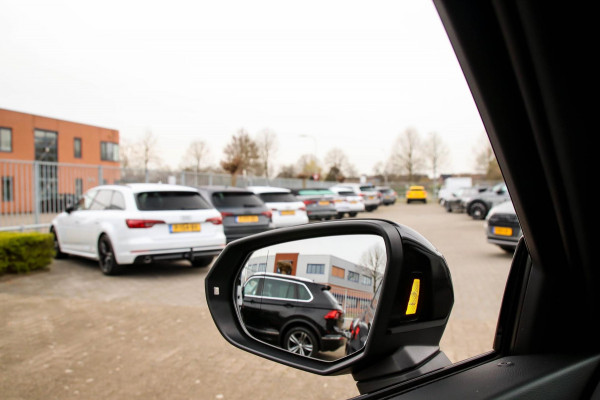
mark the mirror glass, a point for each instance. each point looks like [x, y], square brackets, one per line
[314, 297]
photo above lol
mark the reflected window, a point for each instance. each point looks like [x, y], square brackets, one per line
[366, 280]
[315, 269]
[251, 287]
[353, 276]
[338, 272]
[7, 188]
[278, 289]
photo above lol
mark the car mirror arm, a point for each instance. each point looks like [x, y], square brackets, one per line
[389, 371]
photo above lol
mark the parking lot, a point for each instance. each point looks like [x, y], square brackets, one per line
[73, 333]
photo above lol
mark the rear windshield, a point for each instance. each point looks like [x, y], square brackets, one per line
[277, 197]
[234, 199]
[154, 201]
[347, 193]
[331, 297]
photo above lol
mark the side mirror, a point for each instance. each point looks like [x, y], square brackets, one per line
[302, 297]
[70, 208]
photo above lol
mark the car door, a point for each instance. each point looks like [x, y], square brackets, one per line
[86, 226]
[68, 224]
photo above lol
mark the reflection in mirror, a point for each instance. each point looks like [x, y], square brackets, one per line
[314, 297]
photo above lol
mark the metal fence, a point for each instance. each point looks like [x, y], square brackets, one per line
[34, 192]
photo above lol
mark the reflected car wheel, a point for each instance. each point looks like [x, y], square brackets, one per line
[300, 340]
[352, 214]
[106, 257]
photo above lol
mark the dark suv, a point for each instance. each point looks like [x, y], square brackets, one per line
[294, 313]
[243, 212]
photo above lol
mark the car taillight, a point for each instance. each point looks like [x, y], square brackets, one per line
[226, 214]
[307, 202]
[302, 209]
[142, 223]
[356, 331]
[361, 194]
[333, 314]
[267, 214]
[215, 220]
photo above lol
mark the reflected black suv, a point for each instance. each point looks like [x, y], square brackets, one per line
[294, 313]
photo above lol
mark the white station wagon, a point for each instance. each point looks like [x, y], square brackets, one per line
[139, 224]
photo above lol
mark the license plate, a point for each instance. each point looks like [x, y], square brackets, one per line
[323, 203]
[247, 218]
[371, 197]
[179, 228]
[288, 212]
[353, 202]
[502, 231]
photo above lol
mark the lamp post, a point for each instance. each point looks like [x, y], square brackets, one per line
[315, 141]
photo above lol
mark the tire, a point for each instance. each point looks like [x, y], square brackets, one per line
[339, 215]
[106, 257]
[352, 214]
[58, 254]
[407, 201]
[200, 262]
[301, 340]
[478, 210]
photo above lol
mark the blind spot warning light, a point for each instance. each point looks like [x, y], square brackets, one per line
[414, 297]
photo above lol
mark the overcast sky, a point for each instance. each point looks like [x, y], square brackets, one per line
[346, 74]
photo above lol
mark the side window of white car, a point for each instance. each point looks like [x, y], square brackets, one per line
[117, 202]
[102, 200]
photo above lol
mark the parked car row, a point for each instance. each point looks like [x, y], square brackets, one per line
[119, 225]
[495, 207]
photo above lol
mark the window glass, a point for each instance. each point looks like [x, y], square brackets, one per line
[152, 201]
[235, 199]
[78, 187]
[315, 269]
[77, 147]
[5, 139]
[278, 289]
[303, 293]
[277, 197]
[7, 188]
[366, 280]
[118, 201]
[109, 151]
[353, 276]
[87, 199]
[102, 200]
[251, 287]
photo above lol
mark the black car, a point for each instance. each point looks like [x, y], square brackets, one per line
[455, 203]
[294, 313]
[243, 212]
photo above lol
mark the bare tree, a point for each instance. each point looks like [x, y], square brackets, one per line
[241, 154]
[436, 153]
[485, 160]
[373, 262]
[148, 150]
[267, 144]
[287, 171]
[196, 154]
[339, 166]
[406, 154]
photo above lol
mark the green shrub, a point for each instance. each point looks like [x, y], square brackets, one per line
[24, 252]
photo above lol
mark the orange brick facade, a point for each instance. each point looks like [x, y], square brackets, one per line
[16, 164]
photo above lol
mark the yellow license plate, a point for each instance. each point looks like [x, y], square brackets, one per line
[288, 212]
[247, 218]
[179, 228]
[353, 202]
[502, 231]
[323, 203]
[371, 197]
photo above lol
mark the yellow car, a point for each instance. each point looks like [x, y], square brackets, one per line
[416, 193]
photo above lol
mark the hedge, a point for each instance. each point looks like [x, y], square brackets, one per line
[25, 252]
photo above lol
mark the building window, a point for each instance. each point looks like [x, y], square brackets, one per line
[353, 276]
[7, 188]
[366, 280]
[77, 147]
[6, 140]
[78, 187]
[338, 272]
[109, 151]
[315, 269]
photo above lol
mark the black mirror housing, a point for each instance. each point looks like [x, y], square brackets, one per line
[416, 298]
